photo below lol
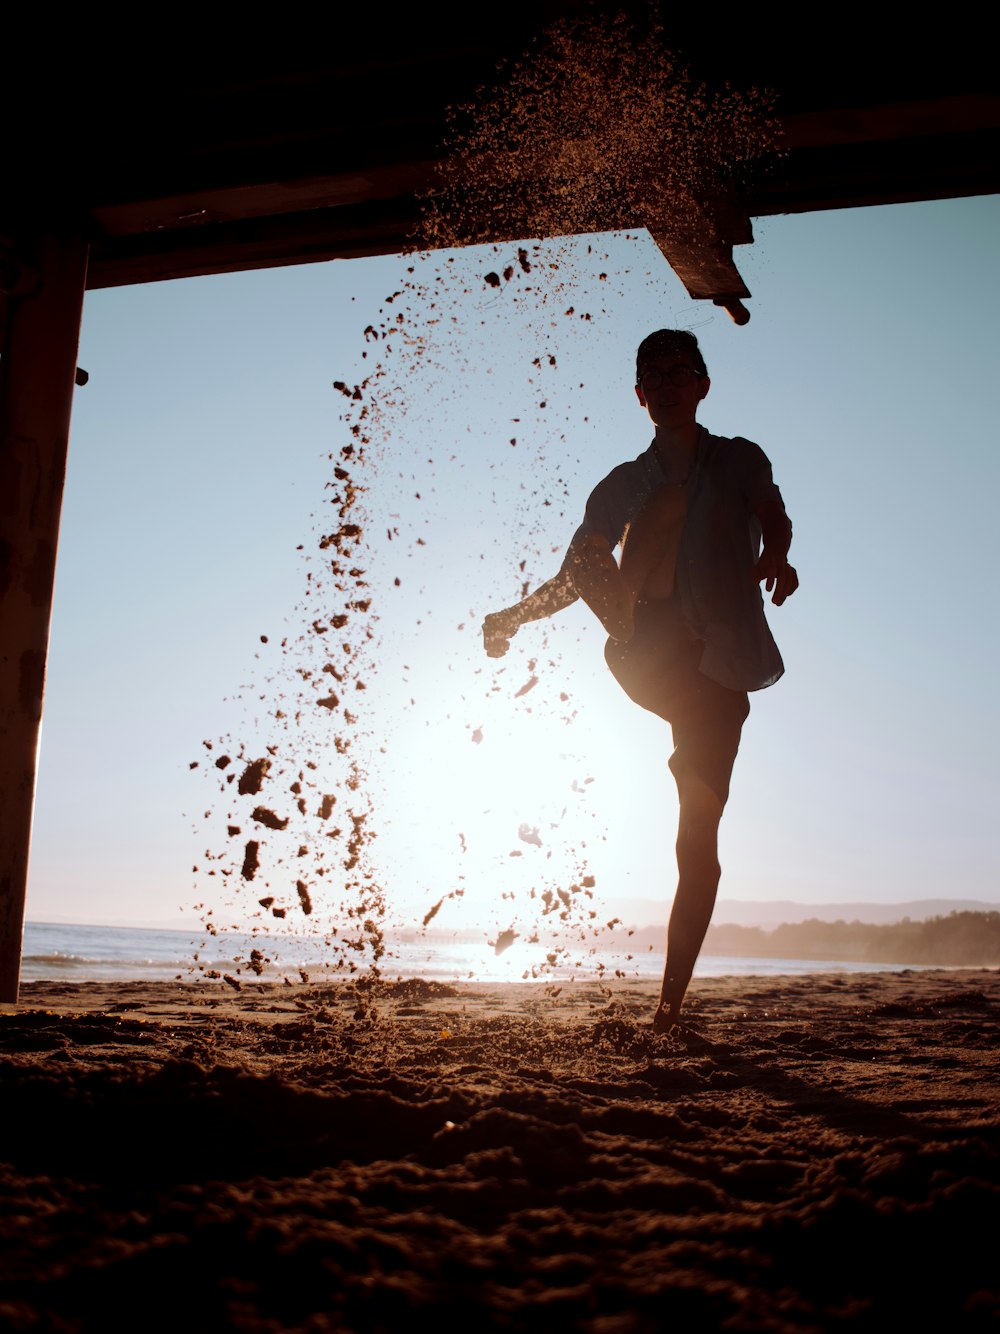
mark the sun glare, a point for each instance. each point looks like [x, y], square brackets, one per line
[486, 799]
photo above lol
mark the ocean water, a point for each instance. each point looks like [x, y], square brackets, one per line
[78, 953]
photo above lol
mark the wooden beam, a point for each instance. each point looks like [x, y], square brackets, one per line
[927, 119]
[268, 199]
[697, 242]
[39, 368]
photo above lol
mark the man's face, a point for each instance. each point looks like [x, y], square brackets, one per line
[670, 389]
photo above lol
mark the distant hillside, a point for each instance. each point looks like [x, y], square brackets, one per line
[954, 940]
[961, 939]
[776, 912]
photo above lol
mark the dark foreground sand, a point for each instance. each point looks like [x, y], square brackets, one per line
[805, 1154]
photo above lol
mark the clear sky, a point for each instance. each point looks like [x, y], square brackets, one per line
[199, 458]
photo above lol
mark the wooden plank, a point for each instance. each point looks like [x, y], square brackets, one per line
[37, 393]
[182, 212]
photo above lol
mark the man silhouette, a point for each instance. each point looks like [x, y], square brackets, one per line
[687, 635]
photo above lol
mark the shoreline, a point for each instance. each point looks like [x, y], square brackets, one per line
[710, 993]
[79, 954]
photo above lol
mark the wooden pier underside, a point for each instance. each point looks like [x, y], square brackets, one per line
[152, 149]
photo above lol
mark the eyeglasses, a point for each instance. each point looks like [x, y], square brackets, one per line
[679, 376]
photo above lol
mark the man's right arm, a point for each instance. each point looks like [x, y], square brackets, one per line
[588, 560]
[500, 627]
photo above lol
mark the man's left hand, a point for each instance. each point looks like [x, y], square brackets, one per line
[779, 578]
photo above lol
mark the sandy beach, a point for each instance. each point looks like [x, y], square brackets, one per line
[805, 1153]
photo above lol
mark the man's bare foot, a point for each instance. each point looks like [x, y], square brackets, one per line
[665, 1019]
[598, 581]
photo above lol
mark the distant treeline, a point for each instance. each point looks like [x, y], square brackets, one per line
[969, 939]
[960, 940]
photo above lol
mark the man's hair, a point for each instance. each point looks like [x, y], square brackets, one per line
[667, 342]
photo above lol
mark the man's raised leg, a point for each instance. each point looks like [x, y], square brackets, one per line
[697, 883]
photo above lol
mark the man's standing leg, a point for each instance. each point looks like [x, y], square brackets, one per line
[697, 884]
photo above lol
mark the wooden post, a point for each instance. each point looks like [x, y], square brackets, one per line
[36, 394]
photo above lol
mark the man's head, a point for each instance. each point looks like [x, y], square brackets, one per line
[669, 343]
[671, 379]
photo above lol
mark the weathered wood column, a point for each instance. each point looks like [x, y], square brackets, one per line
[46, 276]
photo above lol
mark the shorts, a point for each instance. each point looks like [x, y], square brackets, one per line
[658, 669]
